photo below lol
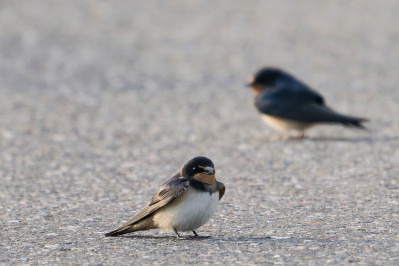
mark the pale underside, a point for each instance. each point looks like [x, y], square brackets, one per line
[285, 126]
[188, 212]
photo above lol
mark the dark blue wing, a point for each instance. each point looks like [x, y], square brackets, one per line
[301, 105]
[287, 102]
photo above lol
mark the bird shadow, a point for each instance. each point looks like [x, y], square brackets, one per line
[243, 239]
[367, 139]
[202, 238]
[354, 139]
[171, 237]
[250, 239]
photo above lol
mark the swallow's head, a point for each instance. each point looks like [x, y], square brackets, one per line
[264, 78]
[201, 169]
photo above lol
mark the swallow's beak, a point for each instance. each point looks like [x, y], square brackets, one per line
[209, 170]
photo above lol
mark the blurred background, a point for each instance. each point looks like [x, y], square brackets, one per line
[101, 101]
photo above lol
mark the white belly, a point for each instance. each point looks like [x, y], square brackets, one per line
[188, 212]
[284, 125]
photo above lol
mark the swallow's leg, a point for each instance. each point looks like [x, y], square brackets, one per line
[178, 236]
[195, 234]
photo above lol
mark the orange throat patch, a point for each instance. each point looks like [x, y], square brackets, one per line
[205, 178]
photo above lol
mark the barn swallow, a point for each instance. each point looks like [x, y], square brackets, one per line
[185, 202]
[287, 104]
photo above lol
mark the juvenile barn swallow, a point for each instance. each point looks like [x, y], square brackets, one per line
[185, 202]
[287, 104]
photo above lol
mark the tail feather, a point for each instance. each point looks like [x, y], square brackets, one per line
[118, 232]
[316, 113]
[354, 122]
[145, 224]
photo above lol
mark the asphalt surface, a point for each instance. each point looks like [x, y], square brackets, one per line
[102, 101]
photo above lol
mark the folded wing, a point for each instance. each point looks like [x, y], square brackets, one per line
[304, 106]
[169, 191]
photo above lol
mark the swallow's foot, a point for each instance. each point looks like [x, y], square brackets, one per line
[195, 236]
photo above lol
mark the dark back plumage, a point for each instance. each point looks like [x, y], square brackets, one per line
[286, 97]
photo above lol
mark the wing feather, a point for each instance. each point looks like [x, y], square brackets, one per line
[301, 104]
[170, 190]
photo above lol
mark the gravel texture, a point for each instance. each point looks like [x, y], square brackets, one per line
[101, 101]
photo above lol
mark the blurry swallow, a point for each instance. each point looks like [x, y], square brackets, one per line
[287, 104]
[185, 202]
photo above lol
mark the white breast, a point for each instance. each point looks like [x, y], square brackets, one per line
[188, 212]
[284, 125]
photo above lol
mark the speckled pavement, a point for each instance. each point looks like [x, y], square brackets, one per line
[102, 101]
